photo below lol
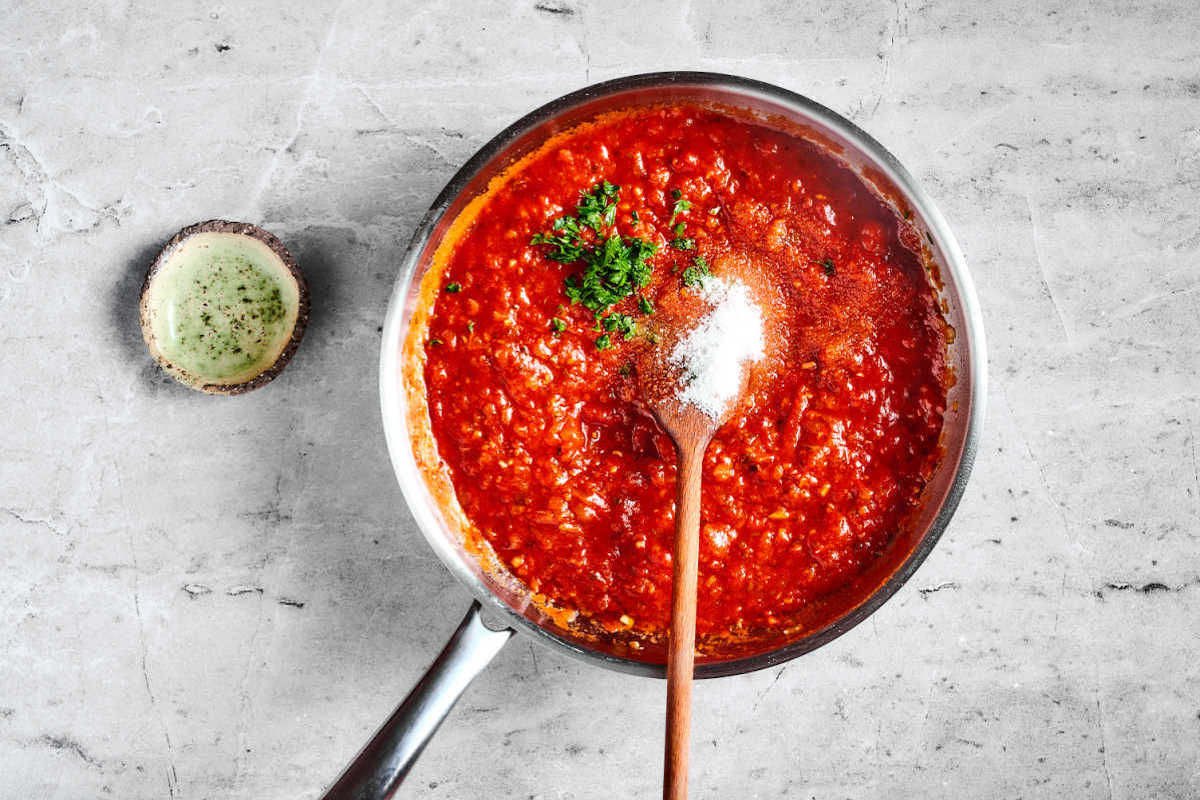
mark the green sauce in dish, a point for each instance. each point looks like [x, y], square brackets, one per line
[223, 307]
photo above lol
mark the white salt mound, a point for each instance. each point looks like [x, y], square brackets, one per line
[711, 355]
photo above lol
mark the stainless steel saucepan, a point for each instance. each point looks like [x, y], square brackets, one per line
[500, 611]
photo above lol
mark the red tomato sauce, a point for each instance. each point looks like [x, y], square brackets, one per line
[567, 477]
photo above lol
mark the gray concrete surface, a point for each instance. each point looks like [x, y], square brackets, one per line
[220, 598]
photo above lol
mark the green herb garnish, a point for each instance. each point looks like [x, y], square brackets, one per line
[680, 228]
[696, 272]
[470, 326]
[598, 208]
[626, 369]
[434, 342]
[680, 243]
[622, 324]
[453, 288]
[681, 205]
[565, 239]
[827, 263]
[635, 218]
[644, 304]
[612, 272]
[614, 266]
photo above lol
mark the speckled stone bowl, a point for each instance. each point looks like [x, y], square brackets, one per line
[224, 307]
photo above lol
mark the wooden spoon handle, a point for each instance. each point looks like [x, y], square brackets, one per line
[681, 655]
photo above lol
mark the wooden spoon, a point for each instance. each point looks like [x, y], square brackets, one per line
[692, 430]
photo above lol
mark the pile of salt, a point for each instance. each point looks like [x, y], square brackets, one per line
[712, 354]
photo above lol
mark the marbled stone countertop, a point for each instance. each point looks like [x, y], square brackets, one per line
[221, 598]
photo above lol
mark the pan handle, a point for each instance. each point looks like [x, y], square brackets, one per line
[381, 767]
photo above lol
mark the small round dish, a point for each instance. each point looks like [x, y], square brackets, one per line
[224, 307]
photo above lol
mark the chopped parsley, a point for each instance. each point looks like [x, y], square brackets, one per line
[434, 342]
[615, 266]
[827, 263]
[696, 272]
[598, 208]
[634, 217]
[613, 271]
[565, 239]
[680, 243]
[680, 228]
[470, 327]
[681, 205]
[620, 323]
[453, 288]
[626, 369]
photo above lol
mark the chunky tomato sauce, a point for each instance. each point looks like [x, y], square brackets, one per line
[557, 464]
